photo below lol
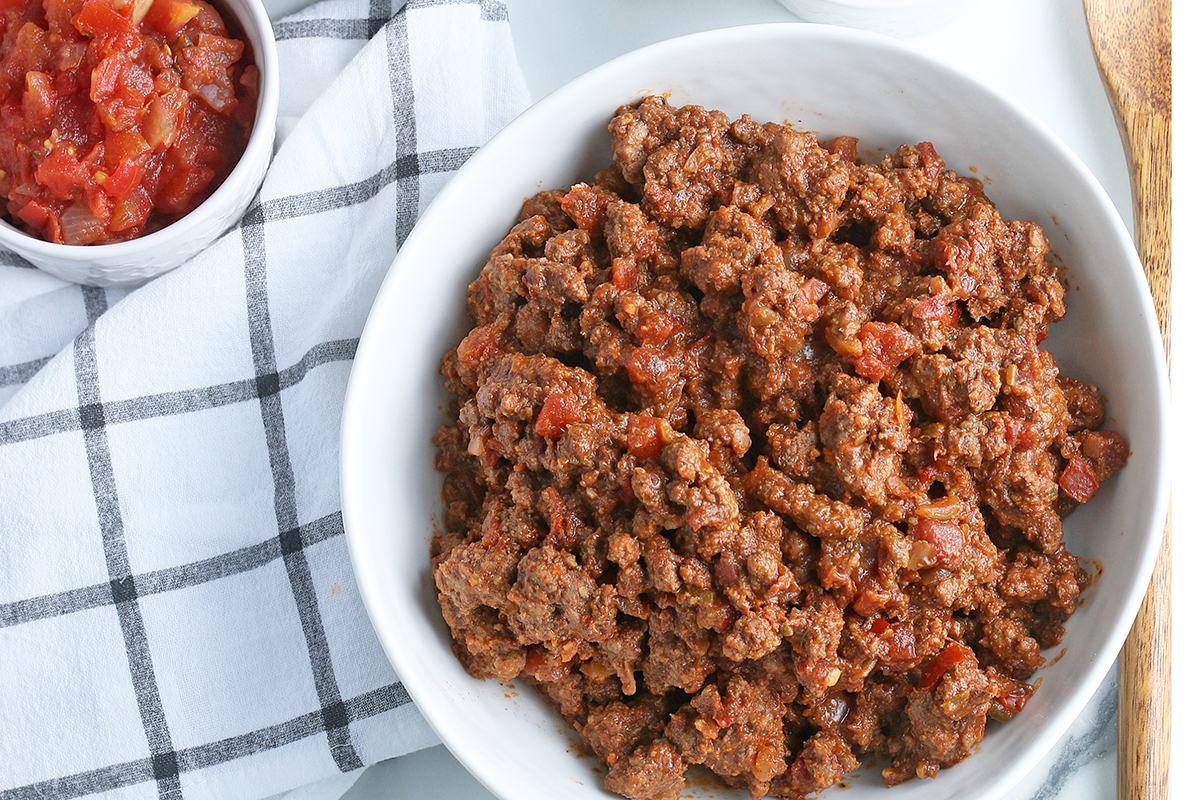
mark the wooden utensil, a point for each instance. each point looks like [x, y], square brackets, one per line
[1132, 43]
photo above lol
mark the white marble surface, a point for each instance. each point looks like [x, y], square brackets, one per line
[1035, 50]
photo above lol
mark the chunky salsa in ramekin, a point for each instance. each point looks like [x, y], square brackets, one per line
[117, 117]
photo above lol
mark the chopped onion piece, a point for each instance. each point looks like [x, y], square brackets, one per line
[79, 226]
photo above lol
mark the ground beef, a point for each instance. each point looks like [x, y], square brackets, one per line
[756, 462]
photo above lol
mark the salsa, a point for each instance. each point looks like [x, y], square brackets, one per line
[117, 117]
[756, 460]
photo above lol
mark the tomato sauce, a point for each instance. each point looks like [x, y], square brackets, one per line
[117, 117]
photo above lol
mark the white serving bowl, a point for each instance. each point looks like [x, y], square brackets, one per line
[138, 260]
[894, 17]
[836, 81]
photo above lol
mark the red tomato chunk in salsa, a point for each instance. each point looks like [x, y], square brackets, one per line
[117, 117]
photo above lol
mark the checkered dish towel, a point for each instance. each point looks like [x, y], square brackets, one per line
[178, 615]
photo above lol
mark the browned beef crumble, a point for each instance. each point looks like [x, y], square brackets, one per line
[757, 463]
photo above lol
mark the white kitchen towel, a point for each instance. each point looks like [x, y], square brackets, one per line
[178, 617]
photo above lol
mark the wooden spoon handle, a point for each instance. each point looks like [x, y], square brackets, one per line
[1144, 732]
[1147, 137]
[1132, 43]
[1144, 737]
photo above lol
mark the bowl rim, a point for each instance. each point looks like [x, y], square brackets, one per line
[427, 698]
[262, 136]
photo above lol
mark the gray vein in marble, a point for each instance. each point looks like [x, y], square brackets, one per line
[1078, 750]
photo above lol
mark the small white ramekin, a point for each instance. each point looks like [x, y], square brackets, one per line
[138, 260]
[894, 17]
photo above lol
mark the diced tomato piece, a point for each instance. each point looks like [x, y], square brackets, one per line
[62, 175]
[1014, 429]
[493, 534]
[884, 346]
[44, 218]
[812, 290]
[930, 161]
[33, 45]
[205, 67]
[534, 661]
[869, 601]
[936, 308]
[479, 347]
[120, 89]
[558, 411]
[545, 670]
[656, 327]
[1014, 698]
[587, 207]
[648, 366]
[125, 146]
[1107, 450]
[945, 536]
[724, 717]
[132, 212]
[566, 529]
[207, 21]
[99, 19]
[901, 644]
[644, 438]
[169, 16]
[624, 273]
[175, 197]
[844, 147]
[105, 77]
[164, 115]
[952, 654]
[36, 213]
[127, 175]
[96, 200]
[59, 14]
[1078, 480]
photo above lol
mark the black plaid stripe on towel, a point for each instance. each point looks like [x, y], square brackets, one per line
[178, 617]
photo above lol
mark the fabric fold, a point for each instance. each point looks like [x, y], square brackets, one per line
[178, 616]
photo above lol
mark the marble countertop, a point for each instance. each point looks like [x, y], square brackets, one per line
[1037, 51]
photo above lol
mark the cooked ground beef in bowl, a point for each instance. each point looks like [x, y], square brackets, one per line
[757, 463]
